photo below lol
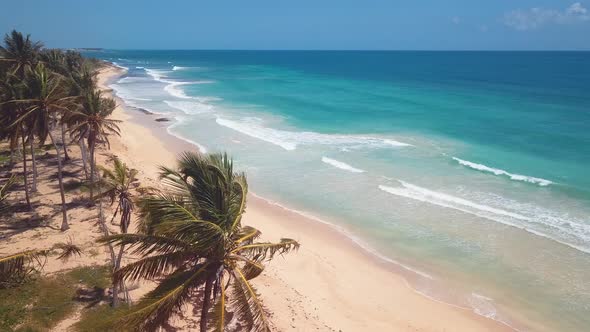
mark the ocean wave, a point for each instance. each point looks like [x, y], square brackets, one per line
[157, 74]
[139, 67]
[341, 165]
[495, 171]
[190, 107]
[130, 79]
[289, 140]
[119, 66]
[412, 191]
[173, 87]
[176, 68]
[572, 233]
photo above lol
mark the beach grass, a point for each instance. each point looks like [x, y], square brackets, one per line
[42, 303]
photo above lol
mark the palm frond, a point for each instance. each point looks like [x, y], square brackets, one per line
[267, 250]
[247, 306]
[219, 311]
[246, 235]
[169, 296]
[17, 266]
[67, 250]
[151, 267]
[148, 244]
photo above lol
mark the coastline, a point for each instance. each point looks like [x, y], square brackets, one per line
[329, 284]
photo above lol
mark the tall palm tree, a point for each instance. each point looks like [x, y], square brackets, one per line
[20, 52]
[47, 101]
[91, 122]
[116, 183]
[13, 129]
[193, 238]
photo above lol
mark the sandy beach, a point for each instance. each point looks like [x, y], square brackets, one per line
[330, 284]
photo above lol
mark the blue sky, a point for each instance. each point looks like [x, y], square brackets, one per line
[304, 24]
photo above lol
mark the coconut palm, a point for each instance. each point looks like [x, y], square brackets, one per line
[116, 183]
[46, 102]
[194, 242]
[91, 122]
[13, 129]
[20, 52]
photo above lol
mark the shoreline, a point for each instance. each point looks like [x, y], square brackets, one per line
[317, 287]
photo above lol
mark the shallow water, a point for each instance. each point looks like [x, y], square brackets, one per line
[469, 167]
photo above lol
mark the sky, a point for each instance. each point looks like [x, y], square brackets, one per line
[304, 24]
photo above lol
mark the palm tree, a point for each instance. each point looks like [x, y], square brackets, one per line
[21, 52]
[116, 184]
[11, 89]
[92, 123]
[46, 102]
[193, 238]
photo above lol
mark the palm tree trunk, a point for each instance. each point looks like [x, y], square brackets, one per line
[84, 155]
[92, 166]
[117, 286]
[32, 145]
[206, 304]
[64, 223]
[25, 176]
[12, 155]
[63, 142]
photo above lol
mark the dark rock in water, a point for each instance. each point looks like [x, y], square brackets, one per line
[143, 110]
[162, 119]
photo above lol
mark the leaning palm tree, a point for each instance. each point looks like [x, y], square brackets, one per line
[47, 101]
[116, 183]
[194, 242]
[91, 122]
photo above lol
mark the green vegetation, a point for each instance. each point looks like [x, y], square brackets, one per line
[193, 238]
[40, 304]
[190, 239]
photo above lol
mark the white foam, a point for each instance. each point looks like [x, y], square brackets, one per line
[119, 66]
[515, 177]
[190, 107]
[341, 165]
[514, 219]
[139, 67]
[174, 91]
[127, 80]
[173, 87]
[289, 140]
[409, 190]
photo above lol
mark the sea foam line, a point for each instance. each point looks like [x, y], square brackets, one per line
[496, 171]
[414, 192]
[289, 140]
[409, 190]
[341, 165]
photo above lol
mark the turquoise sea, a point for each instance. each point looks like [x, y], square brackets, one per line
[468, 170]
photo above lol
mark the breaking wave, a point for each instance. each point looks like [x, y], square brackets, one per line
[535, 220]
[495, 171]
[289, 140]
[341, 165]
